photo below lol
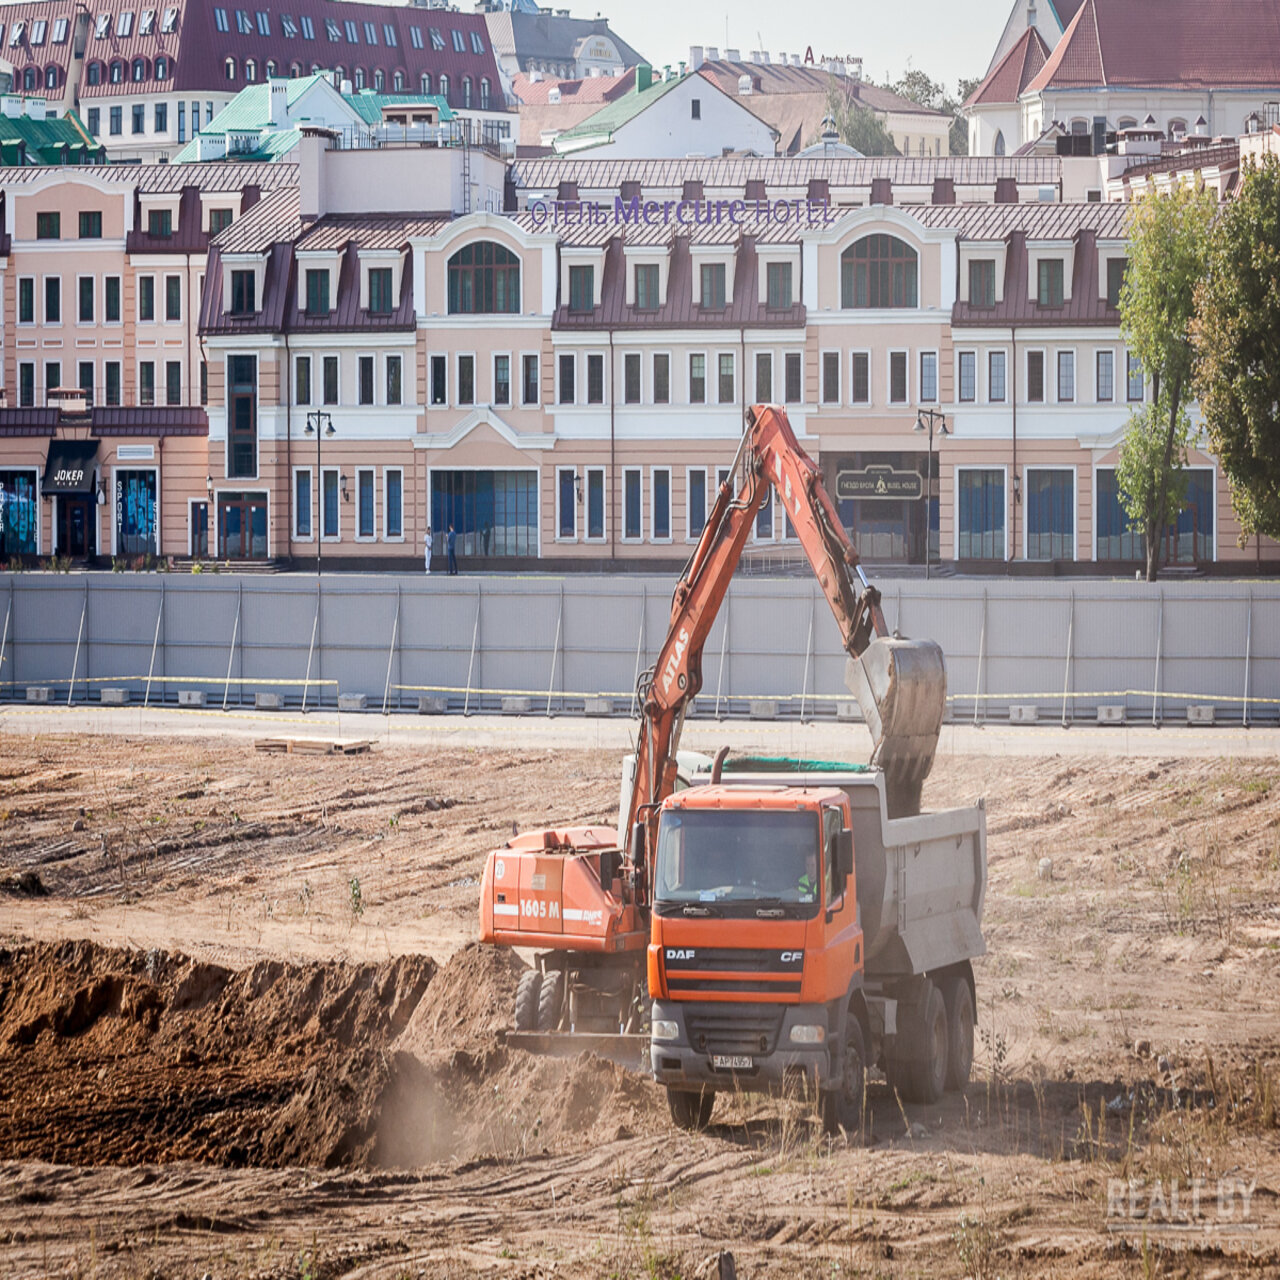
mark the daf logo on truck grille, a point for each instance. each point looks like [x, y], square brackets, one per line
[680, 955]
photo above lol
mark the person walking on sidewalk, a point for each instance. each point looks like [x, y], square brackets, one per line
[426, 550]
[450, 542]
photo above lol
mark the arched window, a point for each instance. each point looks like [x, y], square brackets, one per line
[359, 77]
[95, 73]
[139, 70]
[878, 271]
[444, 87]
[484, 93]
[162, 68]
[315, 68]
[379, 80]
[229, 67]
[1177, 128]
[51, 78]
[339, 75]
[1127, 122]
[1079, 126]
[295, 70]
[250, 70]
[466, 91]
[397, 82]
[426, 82]
[29, 79]
[484, 278]
[271, 68]
[117, 73]
[998, 149]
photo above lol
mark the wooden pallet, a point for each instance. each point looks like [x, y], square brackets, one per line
[314, 746]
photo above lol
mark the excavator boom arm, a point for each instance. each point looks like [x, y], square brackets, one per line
[900, 685]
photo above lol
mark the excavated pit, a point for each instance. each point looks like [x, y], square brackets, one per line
[125, 1057]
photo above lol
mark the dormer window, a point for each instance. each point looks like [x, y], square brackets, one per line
[139, 70]
[160, 223]
[982, 282]
[647, 275]
[1049, 282]
[170, 22]
[317, 292]
[243, 293]
[713, 291]
[380, 300]
[582, 288]
[1115, 279]
[124, 25]
[147, 22]
[102, 26]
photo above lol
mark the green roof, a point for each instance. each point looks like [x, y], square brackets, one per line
[23, 140]
[600, 127]
[251, 107]
[368, 104]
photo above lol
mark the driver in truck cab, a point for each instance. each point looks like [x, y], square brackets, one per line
[808, 884]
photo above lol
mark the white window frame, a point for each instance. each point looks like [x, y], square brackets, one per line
[373, 489]
[210, 505]
[386, 377]
[431, 367]
[458, 358]
[493, 380]
[1097, 354]
[36, 303]
[1075, 507]
[537, 383]
[689, 535]
[1026, 375]
[786, 356]
[298, 358]
[114, 324]
[638, 356]
[336, 472]
[871, 388]
[822, 377]
[638, 538]
[387, 535]
[653, 506]
[560, 473]
[937, 375]
[986, 374]
[606, 374]
[959, 397]
[561, 402]
[361, 357]
[1058, 353]
[87, 324]
[604, 506]
[305, 537]
[1145, 381]
[888, 374]
[44, 301]
[737, 396]
[158, 532]
[35, 475]
[137, 299]
[688, 373]
[1003, 468]
[653, 377]
[756, 398]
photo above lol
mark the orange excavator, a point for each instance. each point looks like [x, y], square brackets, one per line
[581, 896]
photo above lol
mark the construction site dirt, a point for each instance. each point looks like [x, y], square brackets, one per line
[245, 1031]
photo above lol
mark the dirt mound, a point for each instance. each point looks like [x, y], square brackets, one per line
[114, 1056]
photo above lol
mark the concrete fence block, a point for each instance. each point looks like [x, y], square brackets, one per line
[1111, 713]
[848, 709]
[763, 709]
[39, 693]
[1023, 713]
[353, 702]
[597, 707]
[191, 697]
[114, 697]
[1200, 713]
[431, 704]
[516, 705]
[268, 701]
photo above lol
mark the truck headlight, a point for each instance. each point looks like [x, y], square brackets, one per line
[664, 1030]
[808, 1033]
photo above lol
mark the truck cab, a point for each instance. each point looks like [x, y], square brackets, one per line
[756, 953]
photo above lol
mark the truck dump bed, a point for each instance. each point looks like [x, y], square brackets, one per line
[921, 881]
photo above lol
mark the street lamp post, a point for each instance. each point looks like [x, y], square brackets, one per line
[930, 416]
[320, 425]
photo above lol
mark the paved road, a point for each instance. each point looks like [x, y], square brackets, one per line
[823, 739]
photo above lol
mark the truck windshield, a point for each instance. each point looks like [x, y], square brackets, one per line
[735, 856]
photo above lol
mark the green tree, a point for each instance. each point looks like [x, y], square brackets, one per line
[1237, 342]
[1168, 248]
[917, 86]
[858, 126]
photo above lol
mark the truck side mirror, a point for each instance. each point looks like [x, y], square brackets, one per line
[637, 844]
[844, 855]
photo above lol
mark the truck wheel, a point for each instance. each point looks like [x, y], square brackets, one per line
[551, 1000]
[959, 1002]
[527, 1000]
[691, 1110]
[842, 1107]
[920, 1074]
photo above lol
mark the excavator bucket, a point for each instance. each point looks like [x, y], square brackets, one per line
[901, 686]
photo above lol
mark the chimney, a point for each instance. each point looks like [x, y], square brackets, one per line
[733, 55]
[279, 102]
[713, 53]
[795, 60]
[644, 77]
[744, 86]
[764, 56]
[1201, 126]
[12, 107]
[695, 56]
[553, 96]
[345, 89]
[35, 109]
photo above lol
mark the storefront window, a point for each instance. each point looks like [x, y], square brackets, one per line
[135, 499]
[19, 513]
[1051, 508]
[493, 513]
[981, 515]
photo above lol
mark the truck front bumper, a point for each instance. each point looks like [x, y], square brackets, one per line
[755, 1037]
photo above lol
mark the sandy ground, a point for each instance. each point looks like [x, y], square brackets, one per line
[243, 1032]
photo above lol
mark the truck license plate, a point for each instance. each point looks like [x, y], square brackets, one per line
[733, 1061]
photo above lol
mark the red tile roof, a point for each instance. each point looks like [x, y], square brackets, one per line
[1011, 75]
[598, 89]
[1167, 43]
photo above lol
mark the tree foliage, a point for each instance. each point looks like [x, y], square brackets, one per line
[1237, 342]
[1168, 249]
[857, 125]
[919, 87]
